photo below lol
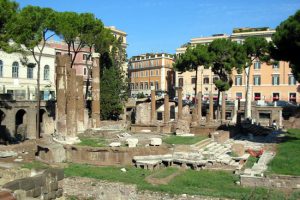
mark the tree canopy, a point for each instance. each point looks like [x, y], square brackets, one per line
[287, 43]
[7, 12]
[225, 56]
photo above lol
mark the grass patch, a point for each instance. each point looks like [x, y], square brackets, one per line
[183, 140]
[165, 172]
[287, 159]
[250, 162]
[92, 142]
[207, 183]
[35, 165]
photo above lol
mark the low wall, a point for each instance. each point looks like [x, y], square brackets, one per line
[26, 146]
[109, 155]
[140, 128]
[203, 131]
[45, 185]
[273, 181]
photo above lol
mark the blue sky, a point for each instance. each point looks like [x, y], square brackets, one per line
[164, 25]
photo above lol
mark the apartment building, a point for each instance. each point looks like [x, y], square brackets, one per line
[151, 70]
[267, 82]
[19, 76]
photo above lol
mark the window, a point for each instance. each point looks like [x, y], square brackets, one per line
[84, 71]
[256, 80]
[275, 79]
[257, 96]
[193, 80]
[156, 85]
[206, 80]
[151, 63]
[1, 68]
[256, 65]
[146, 73]
[276, 96]
[146, 85]
[84, 56]
[157, 72]
[239, 95]
[136, 86]
[15, 70]
[46, 72]
[215, 79]
[141, 86]
[276, 65]
[151, 73]
[292, 97]
[30, 71]
[292, 80]
[180, 82]
[238, 80]
[131, 86]
[146, 64]
[142, 74]
[58, 53]
[151, 84]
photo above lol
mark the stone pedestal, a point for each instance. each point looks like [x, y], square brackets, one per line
[238, 149]
[96, 92]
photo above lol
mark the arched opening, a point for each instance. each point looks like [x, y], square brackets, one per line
[21, 125]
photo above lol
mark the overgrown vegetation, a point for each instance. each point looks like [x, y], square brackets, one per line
[208, 183]
[35, 165]
[287, 159]
[92, 142]
[183, 140]
[165, 172]
[250, 162]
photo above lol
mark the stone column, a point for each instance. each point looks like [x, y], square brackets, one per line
[96, 91]
[166, 109]
[234, 113]
[199, 107]
[71, 102]
[179, 103]
[223, 113]
[61, 65]
[80, 103]
[153, 105]
[211, 106]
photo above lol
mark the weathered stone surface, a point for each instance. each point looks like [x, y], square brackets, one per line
[220, 136]
[80, 103]
[166, 109]
[5, 154]
[179, 103]
[143, 114]
[155, 141]
[132, 142]
[238, 149]
[71, 103]
[182, 127]
[115, 144]
[96, 92]
[153, 106]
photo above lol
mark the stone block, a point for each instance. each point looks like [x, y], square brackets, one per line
[132, 142]
[53, 186]
[155, 141]
[182, 127]
[220, 136]
[27, 184]
[59, 193]
[14, 185]
[115, 144]
[238, 149]
[36, 192]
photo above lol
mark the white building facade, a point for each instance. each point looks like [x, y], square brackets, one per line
[18, 76]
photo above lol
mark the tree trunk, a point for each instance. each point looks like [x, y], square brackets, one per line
[38, 103]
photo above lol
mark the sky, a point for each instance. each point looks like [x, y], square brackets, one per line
[164, 25]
